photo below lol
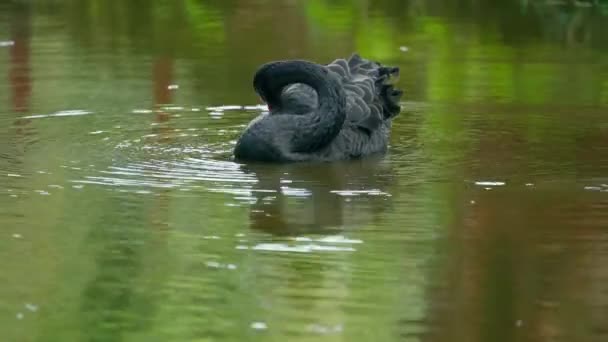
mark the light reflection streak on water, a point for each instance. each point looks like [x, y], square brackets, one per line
[301, 248]
[77, 112]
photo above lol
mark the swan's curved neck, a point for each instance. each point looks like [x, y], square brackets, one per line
[323, 124]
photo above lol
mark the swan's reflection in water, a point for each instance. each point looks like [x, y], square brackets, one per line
[319, 198]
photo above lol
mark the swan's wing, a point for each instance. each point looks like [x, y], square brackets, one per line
[337, 69]
[299, 98]
[361, 114]
[340, 66]
[373, 97]
[355, 60]
[359, 65]
[373, 120]
[368, 90]
[354, 90]
[370, 97]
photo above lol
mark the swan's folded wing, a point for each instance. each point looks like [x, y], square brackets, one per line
[360, 114]
[362, 66]
[339, 70]
[354, 90]
[374, 120]
[299, 98]
[370, 96]
[341, 67]
[355, 60]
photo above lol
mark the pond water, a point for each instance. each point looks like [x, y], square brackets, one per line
[123, 217]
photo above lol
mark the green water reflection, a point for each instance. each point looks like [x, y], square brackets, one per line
[123, 218]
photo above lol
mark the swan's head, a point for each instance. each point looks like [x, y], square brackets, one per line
[262, 85]
[264, 101]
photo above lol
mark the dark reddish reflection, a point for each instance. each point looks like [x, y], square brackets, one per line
[162, 75]
[525, 262]
[19, 76]
[528, 266]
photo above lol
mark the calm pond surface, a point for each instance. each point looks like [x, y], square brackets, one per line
[124, 218]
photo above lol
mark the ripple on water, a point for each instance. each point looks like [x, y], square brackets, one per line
[490, 183]
[172, 174]
[352, 193]
[76, 112]
[599, 188]
[330, 239]
[303, 244]
[152, 158]
[296, 248]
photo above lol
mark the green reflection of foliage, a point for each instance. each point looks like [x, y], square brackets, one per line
[114, 302]
[207, 23]
[373, 36]
[175, 26]
[332, 15]
[376, 39]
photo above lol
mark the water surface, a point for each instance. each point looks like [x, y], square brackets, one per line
[124, 218]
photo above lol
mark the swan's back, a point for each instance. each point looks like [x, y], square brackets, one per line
[371, 99]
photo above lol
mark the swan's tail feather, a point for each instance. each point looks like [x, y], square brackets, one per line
[390, 101]
[391, 72]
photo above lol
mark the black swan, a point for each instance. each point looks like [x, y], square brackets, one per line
[342, 110]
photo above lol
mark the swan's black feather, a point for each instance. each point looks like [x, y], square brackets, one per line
[338, 69]
[342, 63]
[369, 98]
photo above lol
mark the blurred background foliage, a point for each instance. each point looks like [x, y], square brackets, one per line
[436, 42]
